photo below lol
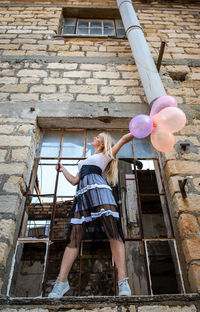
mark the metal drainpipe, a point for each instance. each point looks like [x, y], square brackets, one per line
[150, 78]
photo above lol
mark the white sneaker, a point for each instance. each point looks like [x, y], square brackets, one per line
[124, 288]
[59, 289]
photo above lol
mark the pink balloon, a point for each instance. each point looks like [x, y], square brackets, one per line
[141, 126]
[170, 119]
[161, 103]
[161, 140]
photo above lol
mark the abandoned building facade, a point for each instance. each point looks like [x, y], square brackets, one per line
[68, 73]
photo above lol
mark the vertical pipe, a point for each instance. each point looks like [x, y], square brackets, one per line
[150, 78]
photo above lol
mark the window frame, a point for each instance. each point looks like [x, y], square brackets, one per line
[92, 13]
[144, 240]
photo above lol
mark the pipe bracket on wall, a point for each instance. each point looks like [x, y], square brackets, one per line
[160, 56]
[182, 184]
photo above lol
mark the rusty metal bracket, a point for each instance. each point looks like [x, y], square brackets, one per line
[182, 184]
[160, 56]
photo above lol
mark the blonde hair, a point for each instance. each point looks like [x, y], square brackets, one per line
[112, 168]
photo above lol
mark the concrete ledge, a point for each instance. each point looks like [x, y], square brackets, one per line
[137, 7]
[91, 60]
[48, 113]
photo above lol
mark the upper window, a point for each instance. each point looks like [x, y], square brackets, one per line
[93, 27]
[92, 22]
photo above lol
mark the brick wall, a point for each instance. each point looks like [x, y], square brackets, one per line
[38, 66]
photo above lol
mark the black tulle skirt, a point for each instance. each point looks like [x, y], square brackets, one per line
[96, 213]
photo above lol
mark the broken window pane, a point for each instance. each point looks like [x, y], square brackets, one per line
[162, 267]
[136, 267]
[28, 270]
[146, 178]
[38, 228]
[152, 217]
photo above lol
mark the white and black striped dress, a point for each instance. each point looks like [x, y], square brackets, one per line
[95, 209]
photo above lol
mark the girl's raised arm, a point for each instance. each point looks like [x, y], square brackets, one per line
[124, 139]
[72, 179]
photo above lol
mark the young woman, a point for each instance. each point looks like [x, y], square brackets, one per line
[95, 209]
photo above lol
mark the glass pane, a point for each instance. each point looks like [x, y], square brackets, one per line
[121, 33]
[109, 32]
[125, 151]
[82, 31]
[70, 30]
[162, 265]
[73, 144]
[83, 24]
[46, 178]
[90, 135]
[65, 188]
[119, 24]
[95, 24]
[69, 22]
[108, 24]
[143, 148]
[96, 31]
[50, 144]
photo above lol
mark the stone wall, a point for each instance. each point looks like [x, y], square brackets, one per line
[17, 143]
[44, 74]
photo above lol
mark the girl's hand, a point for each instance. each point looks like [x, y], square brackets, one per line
[59, 167]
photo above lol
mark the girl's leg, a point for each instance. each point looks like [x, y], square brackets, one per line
[118, 252]
[71, 252]
[68, 259]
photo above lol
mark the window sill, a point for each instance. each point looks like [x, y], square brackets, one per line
[92, 300]
[89, 37]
